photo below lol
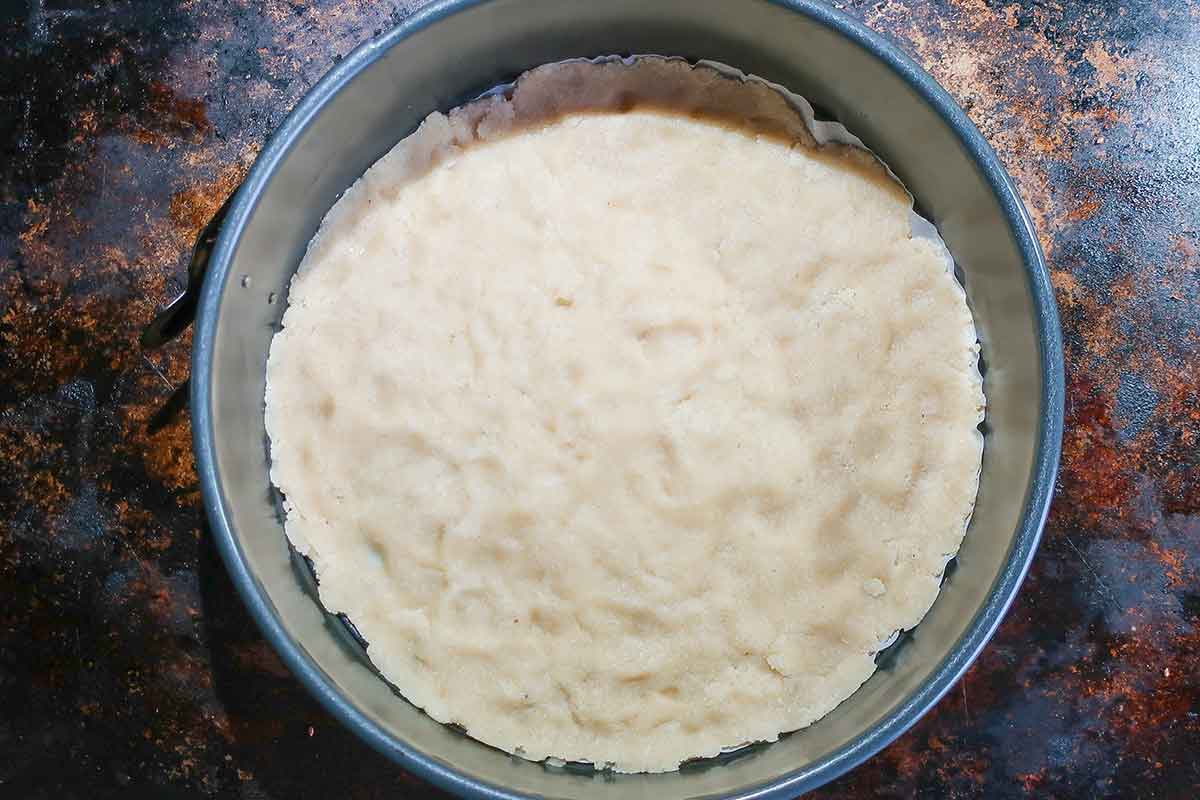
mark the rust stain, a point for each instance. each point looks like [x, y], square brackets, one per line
[1113, 73]
[193, 207]
[1083, 211]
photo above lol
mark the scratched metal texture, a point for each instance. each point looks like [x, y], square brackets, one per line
[128, 667]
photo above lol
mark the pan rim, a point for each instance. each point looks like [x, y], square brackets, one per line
[806, 777]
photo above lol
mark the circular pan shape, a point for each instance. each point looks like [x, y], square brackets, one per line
[295, 180]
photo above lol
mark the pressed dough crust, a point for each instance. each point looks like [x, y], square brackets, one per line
[625, 437]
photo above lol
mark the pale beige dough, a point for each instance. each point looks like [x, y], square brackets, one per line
[624, 437]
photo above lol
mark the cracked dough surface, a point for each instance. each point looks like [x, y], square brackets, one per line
[624, 437]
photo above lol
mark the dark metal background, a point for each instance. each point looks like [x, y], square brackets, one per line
[127, 666]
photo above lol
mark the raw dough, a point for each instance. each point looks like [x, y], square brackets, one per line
[624, 437]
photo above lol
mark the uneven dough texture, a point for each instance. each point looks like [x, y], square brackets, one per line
[624, 437]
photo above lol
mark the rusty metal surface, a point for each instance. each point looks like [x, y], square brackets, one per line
[129, 668]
